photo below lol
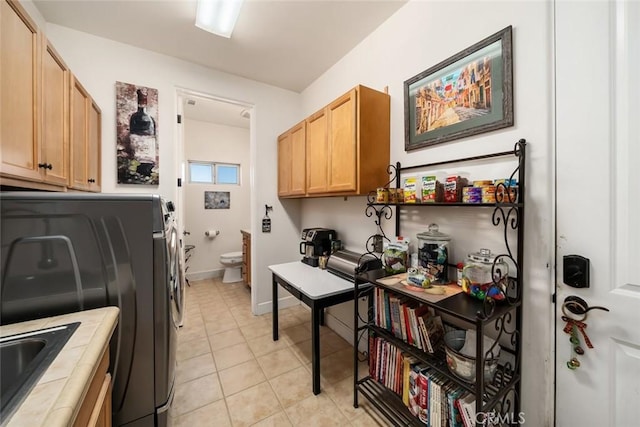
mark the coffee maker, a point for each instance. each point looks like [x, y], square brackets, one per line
[316, 242]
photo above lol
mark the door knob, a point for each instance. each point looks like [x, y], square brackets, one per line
[578, 306]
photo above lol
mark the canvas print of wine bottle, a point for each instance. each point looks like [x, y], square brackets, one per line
[137, 134]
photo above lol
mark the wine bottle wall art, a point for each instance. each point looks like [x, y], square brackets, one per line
[137, 134]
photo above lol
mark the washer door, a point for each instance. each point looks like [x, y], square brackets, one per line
[176, 287]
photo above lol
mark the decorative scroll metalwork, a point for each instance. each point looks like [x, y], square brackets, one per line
[507, 214]
[503, 413]
[380, 211]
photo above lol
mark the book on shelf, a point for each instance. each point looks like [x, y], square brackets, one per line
[432, 331]
[423, 396]
[467, 408]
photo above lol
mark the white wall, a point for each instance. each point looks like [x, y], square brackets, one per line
[418, 36]
[99, 63]
[212, 142]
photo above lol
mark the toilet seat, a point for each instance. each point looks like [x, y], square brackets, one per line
[231, 257]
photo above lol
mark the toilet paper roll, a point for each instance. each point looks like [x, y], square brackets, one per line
[211, 233]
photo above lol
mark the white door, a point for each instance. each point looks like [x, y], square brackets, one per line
[598, 207]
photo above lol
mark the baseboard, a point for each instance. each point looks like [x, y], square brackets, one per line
[202, 275]
[267, 307]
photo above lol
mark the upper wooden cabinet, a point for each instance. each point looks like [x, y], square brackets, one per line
[291, 162]
[19, 93]
[317, 153]
[347, 146]
[85, 139]
[36, 122]
[55, 116]
[94, 147]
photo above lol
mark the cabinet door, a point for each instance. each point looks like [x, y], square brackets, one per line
[94, 147]
[317, 151]
[284, 164]
[298, 160]
[55, 116]
[342, 143]
[19, 103]
[79, 112]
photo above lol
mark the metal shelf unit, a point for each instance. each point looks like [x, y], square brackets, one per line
[502, 393]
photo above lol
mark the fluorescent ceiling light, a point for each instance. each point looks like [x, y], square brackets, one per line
[218, 16]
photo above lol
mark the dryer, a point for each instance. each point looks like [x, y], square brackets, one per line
[65, 252]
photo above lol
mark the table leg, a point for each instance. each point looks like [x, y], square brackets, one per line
[274, 305]
[315, 347]
[322, 317]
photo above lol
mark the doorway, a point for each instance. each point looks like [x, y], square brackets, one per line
[214, 199]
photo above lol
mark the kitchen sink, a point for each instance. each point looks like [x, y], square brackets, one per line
[23, 359]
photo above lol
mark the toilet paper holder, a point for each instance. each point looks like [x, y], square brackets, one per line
[211, 233]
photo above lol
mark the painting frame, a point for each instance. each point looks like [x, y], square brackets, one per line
[438, 110]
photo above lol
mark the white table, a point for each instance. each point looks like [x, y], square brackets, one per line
[316, 288]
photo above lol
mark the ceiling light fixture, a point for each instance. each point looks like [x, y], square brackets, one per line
[218, 16]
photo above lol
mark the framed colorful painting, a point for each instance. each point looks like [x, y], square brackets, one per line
[466, 94]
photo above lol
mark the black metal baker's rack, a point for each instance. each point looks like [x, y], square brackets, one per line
[502, 394]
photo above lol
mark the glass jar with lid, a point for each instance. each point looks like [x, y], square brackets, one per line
[484, 276]
[433, 254]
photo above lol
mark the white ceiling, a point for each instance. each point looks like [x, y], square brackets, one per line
[213, 111]
[285, 43]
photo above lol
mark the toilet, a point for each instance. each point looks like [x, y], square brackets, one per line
[232, 262]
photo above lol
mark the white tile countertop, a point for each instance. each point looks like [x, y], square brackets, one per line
[58, 394]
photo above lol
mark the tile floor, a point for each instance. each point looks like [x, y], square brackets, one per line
[231, 373]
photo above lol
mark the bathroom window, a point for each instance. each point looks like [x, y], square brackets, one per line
[214, 173]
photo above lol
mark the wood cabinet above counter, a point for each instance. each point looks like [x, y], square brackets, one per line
[36, 122]
[345, 151]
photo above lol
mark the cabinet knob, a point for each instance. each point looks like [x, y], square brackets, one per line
[91, 180]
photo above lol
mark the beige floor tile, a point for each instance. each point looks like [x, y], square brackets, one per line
[192, 349]
[278, 420]
[295, 334]
[192, 334]
[369, 418]
[252, 321]
[226, 339]
[342, 395]
[278, 362]
[197, 393]
[221, 314]
[337, 366]
[302, 350]
[214, 327]
[196, 367]
[264, 404]
[265, 344]
[231, 356]
[254, 331]
[316, 411]
[292, 387]
[287, 321]
[214, 414]
[241, 377]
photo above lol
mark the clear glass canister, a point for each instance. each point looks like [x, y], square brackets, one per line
[433, 254]
[478, 267]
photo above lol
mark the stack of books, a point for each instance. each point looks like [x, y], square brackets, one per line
[430, 396]
[408, 320]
